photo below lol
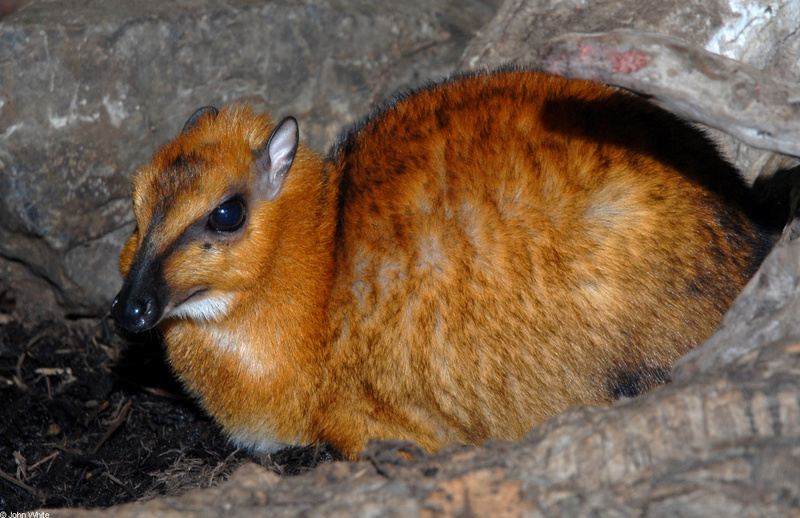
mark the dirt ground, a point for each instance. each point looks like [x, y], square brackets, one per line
[92, 419]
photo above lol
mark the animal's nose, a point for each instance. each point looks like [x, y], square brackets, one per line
[135, 314]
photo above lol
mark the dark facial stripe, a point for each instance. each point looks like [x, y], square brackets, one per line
[182, 174]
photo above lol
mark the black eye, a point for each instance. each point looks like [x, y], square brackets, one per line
[228, 217]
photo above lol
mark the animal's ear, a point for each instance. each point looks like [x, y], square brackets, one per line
[196, 116]
[274, 159]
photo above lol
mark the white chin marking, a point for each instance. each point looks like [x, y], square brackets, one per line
[205, 308]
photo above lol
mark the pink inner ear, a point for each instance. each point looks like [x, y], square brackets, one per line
[275, 159]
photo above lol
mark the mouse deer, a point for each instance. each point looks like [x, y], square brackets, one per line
[470, 259]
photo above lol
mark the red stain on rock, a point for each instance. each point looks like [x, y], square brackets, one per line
[627, 62]
[586, 50]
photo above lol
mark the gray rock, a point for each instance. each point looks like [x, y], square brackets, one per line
[91, 88]
[760, 33]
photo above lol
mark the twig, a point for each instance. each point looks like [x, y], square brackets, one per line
[221, 466]
[49, 457]
[18, 377]
[160, 393]
[65, 373]
[120, 483]
[97, 410]
[8, 478]
[315, 458]
[152, 390]
[686, 80]
[38, 336]
[22, 465]
[382, 472]
[113, 426]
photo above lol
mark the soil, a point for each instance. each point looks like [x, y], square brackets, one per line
[93, 419]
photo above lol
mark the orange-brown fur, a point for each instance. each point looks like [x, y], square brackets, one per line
[471, 259]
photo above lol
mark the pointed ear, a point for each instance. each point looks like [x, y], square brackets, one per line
[196, 116]
[275, 158]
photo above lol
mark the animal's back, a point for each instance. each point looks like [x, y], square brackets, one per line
[513, 244]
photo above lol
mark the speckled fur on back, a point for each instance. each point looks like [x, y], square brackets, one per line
[472, 258]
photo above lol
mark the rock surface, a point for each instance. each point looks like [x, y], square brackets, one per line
[760, 33]
[91, 88]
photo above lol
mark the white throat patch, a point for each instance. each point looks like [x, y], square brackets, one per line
[207, 308]
[247, 353]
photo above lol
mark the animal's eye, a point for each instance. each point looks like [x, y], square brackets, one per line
[228, 217]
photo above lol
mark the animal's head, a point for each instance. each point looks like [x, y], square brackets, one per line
[203, 212]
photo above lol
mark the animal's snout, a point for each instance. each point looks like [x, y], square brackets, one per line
[135, 313]
[140, 303]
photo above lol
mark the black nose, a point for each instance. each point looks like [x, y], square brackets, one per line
[135, 313]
